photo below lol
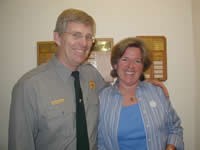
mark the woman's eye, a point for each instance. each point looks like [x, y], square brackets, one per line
[124, 59]
[138, 61]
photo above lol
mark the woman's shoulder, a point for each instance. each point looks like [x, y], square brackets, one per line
[152, 91]
[149, 86]
[107, 90]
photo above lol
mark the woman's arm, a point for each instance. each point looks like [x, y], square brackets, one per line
[170, 147]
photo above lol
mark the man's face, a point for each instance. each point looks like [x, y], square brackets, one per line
[74, 44]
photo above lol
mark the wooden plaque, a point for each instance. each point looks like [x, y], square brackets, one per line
[158, 53]
[45, 50]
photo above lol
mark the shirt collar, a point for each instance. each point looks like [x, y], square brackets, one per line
[61, 70]
[116, 89]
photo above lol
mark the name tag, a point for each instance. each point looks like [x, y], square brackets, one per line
[57, 101]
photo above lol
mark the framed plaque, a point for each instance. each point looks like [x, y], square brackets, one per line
[158, 53]
[100, 57]
[45, 50]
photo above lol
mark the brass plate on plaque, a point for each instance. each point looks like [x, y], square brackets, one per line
[100, 57]
[158, 52]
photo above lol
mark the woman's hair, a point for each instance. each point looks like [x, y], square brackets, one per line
[119, 49]
[73, 15]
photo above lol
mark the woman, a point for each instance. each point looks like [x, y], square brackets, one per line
[136, 115]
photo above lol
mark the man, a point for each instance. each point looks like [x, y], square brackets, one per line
[43, 107]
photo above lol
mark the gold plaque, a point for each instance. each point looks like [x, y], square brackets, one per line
[158, 53]
[45, 50]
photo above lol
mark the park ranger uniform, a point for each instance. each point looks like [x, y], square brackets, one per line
[44, 107]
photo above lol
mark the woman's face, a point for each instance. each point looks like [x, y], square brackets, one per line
[130, 67]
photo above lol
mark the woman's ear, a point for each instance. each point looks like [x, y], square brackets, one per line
[115, 66]
[57, 38]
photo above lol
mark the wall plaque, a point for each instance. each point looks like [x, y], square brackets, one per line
[158, 52]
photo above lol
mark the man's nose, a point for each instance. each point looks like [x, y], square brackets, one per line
[84, 41]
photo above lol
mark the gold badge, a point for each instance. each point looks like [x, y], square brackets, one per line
[92, 84]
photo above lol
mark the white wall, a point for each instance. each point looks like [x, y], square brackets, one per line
[24, 22]
[196, 25]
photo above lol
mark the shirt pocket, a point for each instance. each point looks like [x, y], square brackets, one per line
[92, 110]
[61, 120]
[92, 101]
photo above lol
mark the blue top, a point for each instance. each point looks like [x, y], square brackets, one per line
[131, 135]
[161, 122]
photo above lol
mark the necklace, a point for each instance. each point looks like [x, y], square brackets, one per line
[128, 95]
[133, 99]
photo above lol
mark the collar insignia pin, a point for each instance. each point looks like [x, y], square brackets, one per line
[92, 84]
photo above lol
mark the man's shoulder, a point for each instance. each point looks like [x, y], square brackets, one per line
[88, 67]
[34, 73]
[88, 71]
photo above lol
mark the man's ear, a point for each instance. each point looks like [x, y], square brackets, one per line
[57, 38]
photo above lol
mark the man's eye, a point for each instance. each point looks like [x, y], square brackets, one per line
[89, 37]
[76, 35]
